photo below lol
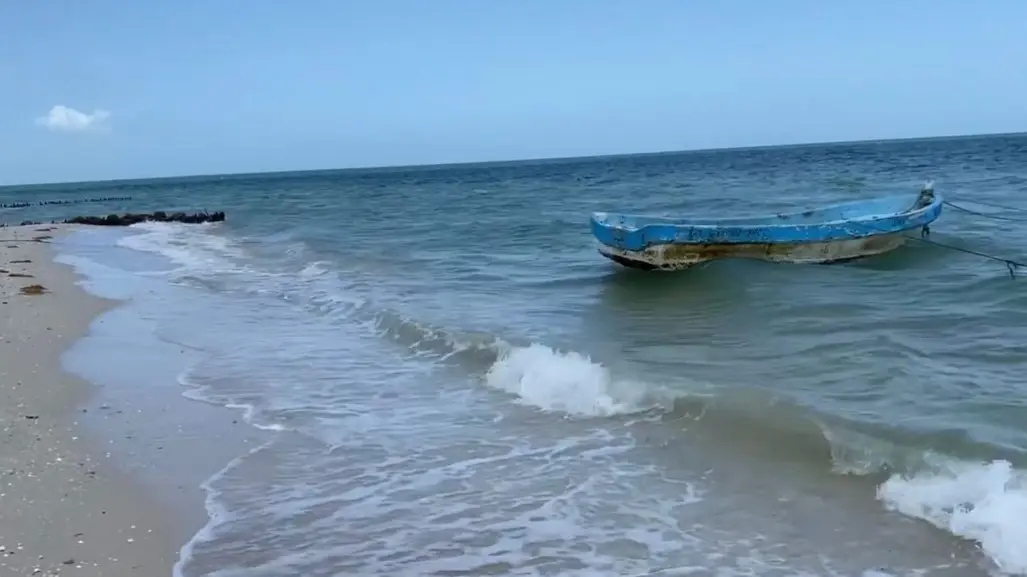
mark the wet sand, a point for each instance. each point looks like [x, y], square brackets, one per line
[64, 508]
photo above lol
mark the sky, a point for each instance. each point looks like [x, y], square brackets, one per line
[105, 89]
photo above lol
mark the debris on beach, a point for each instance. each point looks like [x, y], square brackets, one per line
[33, 289]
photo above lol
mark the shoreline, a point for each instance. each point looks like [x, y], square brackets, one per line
[65, 508]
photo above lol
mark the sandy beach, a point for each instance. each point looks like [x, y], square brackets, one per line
[64, 510]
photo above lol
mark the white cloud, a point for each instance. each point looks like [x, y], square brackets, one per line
[64, 119]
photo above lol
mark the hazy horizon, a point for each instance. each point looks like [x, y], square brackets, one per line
[511, 160]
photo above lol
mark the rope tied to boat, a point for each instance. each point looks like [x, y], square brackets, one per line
[1011, 265]
[1000, 206]
[991, 216]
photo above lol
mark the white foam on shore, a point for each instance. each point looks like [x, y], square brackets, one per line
[566, 382]
[535, 507]
[249, 411]
[986, 503]
[216, 513]
[187, 245]
[140, 400]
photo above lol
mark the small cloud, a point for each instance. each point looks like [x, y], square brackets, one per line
[64, 119]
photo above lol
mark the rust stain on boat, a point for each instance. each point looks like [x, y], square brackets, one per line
[677, 256]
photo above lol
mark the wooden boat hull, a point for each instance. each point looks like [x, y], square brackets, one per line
[834, 233]
[683, 256]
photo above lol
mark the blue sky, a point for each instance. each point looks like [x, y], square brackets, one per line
[165, 87]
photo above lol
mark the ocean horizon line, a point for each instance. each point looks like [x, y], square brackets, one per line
[28, 187]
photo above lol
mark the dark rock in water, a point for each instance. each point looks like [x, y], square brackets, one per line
[159, 216]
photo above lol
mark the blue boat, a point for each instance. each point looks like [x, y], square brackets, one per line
[834, 233]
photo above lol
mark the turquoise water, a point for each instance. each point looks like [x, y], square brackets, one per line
[456, 383]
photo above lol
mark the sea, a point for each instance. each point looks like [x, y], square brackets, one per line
[437, 374]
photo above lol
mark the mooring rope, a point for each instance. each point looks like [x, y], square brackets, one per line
[1011, 265]
[986, 215]
[1000, 206]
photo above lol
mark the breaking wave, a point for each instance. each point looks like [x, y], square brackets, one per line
[971, 490]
